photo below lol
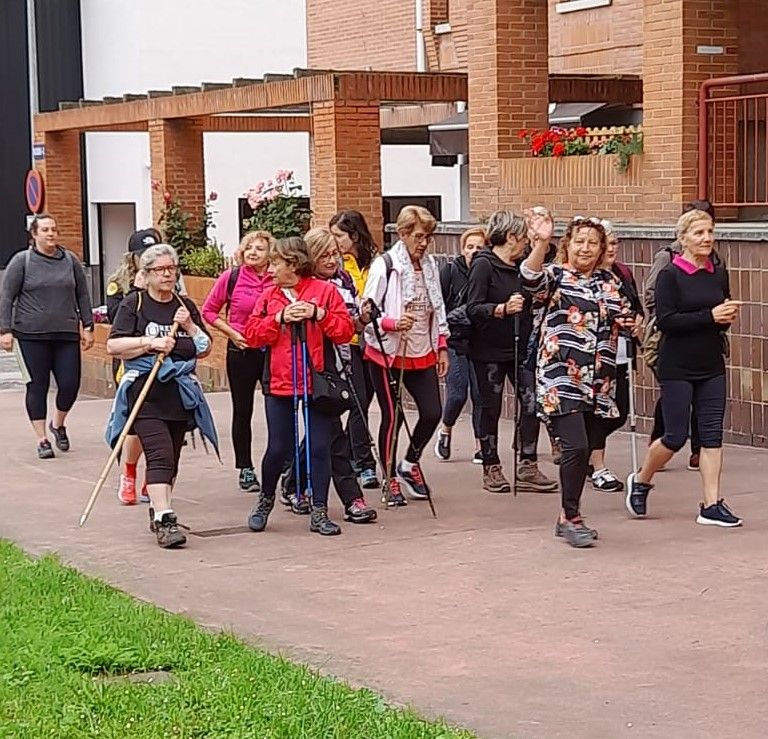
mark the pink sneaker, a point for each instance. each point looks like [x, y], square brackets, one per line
[126, 493]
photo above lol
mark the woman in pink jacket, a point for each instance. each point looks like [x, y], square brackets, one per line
[237, 291]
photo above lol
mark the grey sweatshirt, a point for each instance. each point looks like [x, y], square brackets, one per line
[43, 295]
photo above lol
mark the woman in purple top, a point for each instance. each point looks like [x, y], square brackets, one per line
[237, 291]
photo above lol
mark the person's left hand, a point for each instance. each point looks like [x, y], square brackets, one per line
[443, 363]
[627, 322]
[183, 318]
[86, 339]
[366, 311]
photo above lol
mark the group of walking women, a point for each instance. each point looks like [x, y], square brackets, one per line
[324, 323]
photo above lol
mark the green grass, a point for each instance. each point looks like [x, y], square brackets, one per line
[61, 633]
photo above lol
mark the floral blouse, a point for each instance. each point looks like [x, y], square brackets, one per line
[577, 339]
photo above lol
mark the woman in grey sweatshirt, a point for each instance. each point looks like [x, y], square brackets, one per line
[45, 306]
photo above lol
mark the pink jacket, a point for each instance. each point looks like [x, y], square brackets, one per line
[249, 287]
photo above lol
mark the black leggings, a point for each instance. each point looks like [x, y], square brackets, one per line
[658, 426]
[578, 433]
[245, 368]
[362, 458]
[161, 442]
[423, 388]
[491, 378]
[61, 357]
[610, 425]
[706, 398]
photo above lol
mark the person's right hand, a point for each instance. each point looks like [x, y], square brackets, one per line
[238, 340]
[162, 344]
[726, 312]
[514, 304]
[405, 322]
[6, 342]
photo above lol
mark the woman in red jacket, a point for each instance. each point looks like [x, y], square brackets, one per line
[296, 297]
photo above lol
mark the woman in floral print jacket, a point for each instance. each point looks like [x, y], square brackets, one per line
[583, 312]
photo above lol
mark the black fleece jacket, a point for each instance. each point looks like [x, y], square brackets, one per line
[493, 281]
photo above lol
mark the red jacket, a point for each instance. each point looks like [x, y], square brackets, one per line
[263, 330]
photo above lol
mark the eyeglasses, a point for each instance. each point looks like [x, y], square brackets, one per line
[422, 238]
[331, 255]
[169, 270]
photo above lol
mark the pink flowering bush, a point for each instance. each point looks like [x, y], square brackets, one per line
[278, 206]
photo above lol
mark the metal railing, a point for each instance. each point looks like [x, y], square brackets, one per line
[733, 141]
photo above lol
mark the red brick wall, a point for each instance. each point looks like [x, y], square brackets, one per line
[361, 34]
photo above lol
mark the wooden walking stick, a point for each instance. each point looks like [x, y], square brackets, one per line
[126, 430]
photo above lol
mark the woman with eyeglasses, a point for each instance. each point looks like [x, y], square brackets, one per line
[175, 402]
[409, 344]
[583, 313]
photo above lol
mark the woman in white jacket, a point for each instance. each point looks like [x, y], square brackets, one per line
[404, 285]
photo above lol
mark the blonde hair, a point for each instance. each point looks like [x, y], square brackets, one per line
[125, 275]
[414, 215]
[318, 241]
[686, 221]
[470, 232]
[248, 239]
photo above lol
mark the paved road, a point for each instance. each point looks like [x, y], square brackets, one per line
[481, 616]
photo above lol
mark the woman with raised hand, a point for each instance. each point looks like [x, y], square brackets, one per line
[583, 313]
[358, 250]
[409, 345]
[175, 402]
[297, 301]
[236, 291]
[46, 309]
[694, 310]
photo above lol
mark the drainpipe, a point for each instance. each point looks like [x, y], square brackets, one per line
[421, 50]
[32, 73]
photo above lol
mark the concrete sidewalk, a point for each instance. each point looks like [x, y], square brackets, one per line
[480, 616]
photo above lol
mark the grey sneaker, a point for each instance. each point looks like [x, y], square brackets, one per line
[168, 534]
[576, 533]
[530, 479]
[494, 480]
[320, 523]
[257, 520]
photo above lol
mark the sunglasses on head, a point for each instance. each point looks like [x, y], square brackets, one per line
[591, 220]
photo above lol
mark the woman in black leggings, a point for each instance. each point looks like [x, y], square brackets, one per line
[693, 310]
[409, 343]
[45, 306]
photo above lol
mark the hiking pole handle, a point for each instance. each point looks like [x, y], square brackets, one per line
[124, 433]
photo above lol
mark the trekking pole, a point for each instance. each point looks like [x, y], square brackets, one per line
[516, 403]
[295, 383]
[397, 412]
[375, 313]
[309, 491]
[159, 359]
[632, 412]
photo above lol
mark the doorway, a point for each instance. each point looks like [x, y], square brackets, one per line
[116, 222]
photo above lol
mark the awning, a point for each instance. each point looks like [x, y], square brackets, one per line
[569, 114]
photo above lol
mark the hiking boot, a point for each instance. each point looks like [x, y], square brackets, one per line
[144, 494]
[300, 505]
[248, 481]
[494, 480]
[637, 496]
[396, 499]
[606, 481]
[477, 457]
[319, 522]
[258, 517]
[368, 479]
[693, 463]
[168, 533]
[60, 437]
[358, 511]
[576, 532]
[126, 492]
[717, 515]
[530, 479]
[45, 450]
[556, 448]
[413, 481]
[443, 446]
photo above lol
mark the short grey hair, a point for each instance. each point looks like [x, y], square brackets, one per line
[150, 255]
[501, 224]
[608, 227]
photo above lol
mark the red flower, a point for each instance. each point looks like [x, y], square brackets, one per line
[558, 149]
[167, 196]
[156, 185]
[213, 196]
[522, 133]
[581, 131]
[538, 142]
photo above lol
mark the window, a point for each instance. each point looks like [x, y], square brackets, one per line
[568, 6]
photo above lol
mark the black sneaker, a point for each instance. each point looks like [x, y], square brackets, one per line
[636, 497]
[443, 446]
[168, 533]
[257, 520]
[717, 515]
[414, 484]
[45, 450]
[319, 522]
[60, 437]
[248, 481]
[286, 493]
[477, 457]
[395, 497]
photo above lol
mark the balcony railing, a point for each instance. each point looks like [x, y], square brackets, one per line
[733, 141]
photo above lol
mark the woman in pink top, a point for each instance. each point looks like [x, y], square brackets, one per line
[237, 290]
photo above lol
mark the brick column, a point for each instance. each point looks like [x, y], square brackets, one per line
[176, 156]
[345, 162]
[63, 194]
[672, 75]
[508, 68]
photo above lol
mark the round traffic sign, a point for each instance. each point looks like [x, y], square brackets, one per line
[34, 191]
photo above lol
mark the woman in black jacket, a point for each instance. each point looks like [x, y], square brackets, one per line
[501, 321]
[454, 283]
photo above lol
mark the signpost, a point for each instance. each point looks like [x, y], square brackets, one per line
[34, 191]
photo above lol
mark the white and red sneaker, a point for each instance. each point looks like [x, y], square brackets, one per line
[126, 492]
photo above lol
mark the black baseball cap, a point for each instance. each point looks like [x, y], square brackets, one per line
[139, 241]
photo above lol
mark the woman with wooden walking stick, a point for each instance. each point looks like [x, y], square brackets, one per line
[174, 403]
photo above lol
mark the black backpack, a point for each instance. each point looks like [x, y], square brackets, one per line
[234, 273]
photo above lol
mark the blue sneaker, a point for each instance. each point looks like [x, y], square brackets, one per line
[368, 479]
